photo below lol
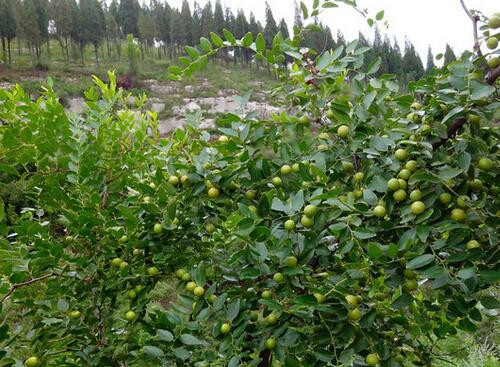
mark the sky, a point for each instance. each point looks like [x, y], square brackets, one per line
[424, 22]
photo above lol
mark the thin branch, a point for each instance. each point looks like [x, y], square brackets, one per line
[28, 282]
[474, 19]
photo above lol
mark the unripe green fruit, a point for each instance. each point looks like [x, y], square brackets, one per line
[494, 22]
[271, 343]
[75, 314]
[304, 119]
[157, 228]
[485, 164]
[212, 298]
[401, 154]
[358, 176]
[458, 215]
[399, 195]
[186, 277]
[357, 193]
[137, 252]
[190, 286]
[379, 211]
[124, 265]
[476, 184]
[417, 207]
[210, 228]
[493, 62]
[173, 180]
[184, 179]
[330, 114]
[472, 244]
[416, 106]
[402, 184]
[225, 328]
[252, 208]
[411, 165]
[343, 131]
[289, 225]
[271, 319]
[123, 239]
[295, 167]
[130, 316]
[153, 271]
[473, 119]
[310, 210]
[199, 291]
[146, 200]
[278, 278]
[32, 362]
[266, 295]
[415, 195]
[213, 192]
[152, 185]
[462, 201]
[371, 359]
[254, 315]
[410, 285]
[131, 294]
[405, 174]
[223, 139]
[492, 43]
[307, 221]
[347, 166]
[354, 314]
[116, 262]
[250, 194]
[291, 261]
[324, 136]
[352, 300]
[138, 288]
[276, 181]
[409, 274]
[322, 147]
[320, 298]
[286, 169]
[393, 184]
[445, 198]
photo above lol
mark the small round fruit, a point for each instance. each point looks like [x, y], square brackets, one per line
[320, 298]
[131, 294]
[476, 184]
[190, 286]
[462, 201]
[371, 359]
[358, 176]
[278, 278]
[304, 119]
[401, 154]
[415, 195]
[399, 195]
[124, 265]
[212, 298]
[289, 225]
[379, 211]
[354, 314]
[210, 228]
[445, 198]
[186, 277]
[223, 139]
[276, 181]
[75, 314]
[295, 167]
[138, 288]
[225, 328]
[410, 285]
[417, 207]
[492, 43]
[250, 194]
[485, 164]
[254, 315]
[213, 192]
[405, 174]
[324, 136]
[472, 244]
[266, 295]
[494, 22]
[146, 200]
[357, 193]
[393, 184]
[330, 114]
[458, 215]
[173, 180]
[411, 165]
[130, 316]
[252, 208]
[271, 319]
[152, 185]
[473, 119]
[286, 169]
[310, 210]
[157, 228]
[416, 106]
[137, 252]
[32, 362]
[352, 300]
[347, 166]
[307, 221]
[402, 184]
[153, 271]
[291, 261]
[322, 147]
[493, 62]
[270, 343]
[199, 291]
[184, 179]
[116, 262]
[409, 274]
[343, 131]
[123, 239]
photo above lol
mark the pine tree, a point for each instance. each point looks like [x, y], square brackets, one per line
[430, 60]
[412, 64]
[449, 55]
[147, 30]
[271, 28]
[128, 17]
[219, 21]
[284, 29]
[340, 39]
[92, 25]
[112, 33]
[207, 20]
[297, 20]
[60, 13]
[175, 30]
[196, 23]
[29, 29]
[186, 23]
[7, 27]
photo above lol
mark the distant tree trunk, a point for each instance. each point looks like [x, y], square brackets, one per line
[48, 47]
[67, 48]
[19, 46]
[4, 49]
[81, 53]
[108, 47]
[8, 47]
[142, 50]
[62, 47]
[96, 57]
[159, 52]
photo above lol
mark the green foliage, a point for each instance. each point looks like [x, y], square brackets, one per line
[107, 213]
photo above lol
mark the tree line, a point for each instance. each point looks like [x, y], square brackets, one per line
[162, 31]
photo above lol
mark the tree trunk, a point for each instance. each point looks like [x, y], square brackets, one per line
[8, 47]
[19, 46]
[67, 48]
[142, 50]
[4, 49]
[48, 47]
[96, 57]
[82, 47]
[62, 47]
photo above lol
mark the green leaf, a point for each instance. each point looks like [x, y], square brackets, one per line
[264, 206]
[165, 335]
[374, 250]
[153, 351]
[447, 173]
[402, 301]
[380, 15]
[364, 233]
[260, 43]
[480, 90]
[193, 52]
[205, 44]
[2, 210]
[189, 339]
[420, 261]
[233, 310]
[216, 40]
[490, 303]
[329, 4]
[374, 66]
[305, 13]
[229, 36]
[248, 39]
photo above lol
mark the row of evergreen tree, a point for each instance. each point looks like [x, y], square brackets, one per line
[163, 30]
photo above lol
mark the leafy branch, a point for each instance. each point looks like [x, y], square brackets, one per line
[26, 283]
